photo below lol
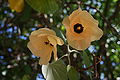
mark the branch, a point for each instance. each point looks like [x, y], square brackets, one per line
[92, 66]
[117, 10]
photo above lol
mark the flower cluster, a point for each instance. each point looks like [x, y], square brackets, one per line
[81, 30]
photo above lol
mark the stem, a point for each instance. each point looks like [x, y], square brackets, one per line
[92, 66]
[63, 56]
[69, 58]
[69, 55]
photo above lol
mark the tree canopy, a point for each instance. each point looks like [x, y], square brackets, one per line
[18, 18]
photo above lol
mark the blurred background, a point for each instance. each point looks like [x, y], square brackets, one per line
[18, 63]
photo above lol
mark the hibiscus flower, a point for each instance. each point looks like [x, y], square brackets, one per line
[81, 29]
[42, 43]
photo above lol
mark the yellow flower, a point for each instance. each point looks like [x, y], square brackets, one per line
[16, 5]
[81, 29]
[42, 43]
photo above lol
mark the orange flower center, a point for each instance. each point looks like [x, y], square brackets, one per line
[78, 28]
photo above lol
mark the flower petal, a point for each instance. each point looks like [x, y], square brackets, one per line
[46, 55]
[79, 44]
[33, 49]
[55, 53]
[38, 41]
[16, 5]
[86, 17]
[57, 39]
[96, 34]
[92, 30]
[74, 13]
[43, 31]
[66, 22]
[52, 40]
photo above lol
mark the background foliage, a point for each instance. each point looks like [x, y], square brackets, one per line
[18, 63]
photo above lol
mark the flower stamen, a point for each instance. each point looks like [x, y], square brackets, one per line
[46, 43]
[51, 45]
[78, 28]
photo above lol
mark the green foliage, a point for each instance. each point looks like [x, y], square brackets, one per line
[86, 59]
[87, 62]
[18, 63]
[26, 14]
[26, 77]
[72, 73]
[43, 6]
[55, 71]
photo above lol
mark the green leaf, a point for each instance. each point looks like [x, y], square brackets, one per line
[27, 69]
[43, 6]
[87, 62]
[26, 13]
[72, 73]
[86, 59]
[26, 77]
[55, 71]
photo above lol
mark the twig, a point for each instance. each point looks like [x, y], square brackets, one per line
[92, 66]
[68, 55]
[117, 10]
[63, 56]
